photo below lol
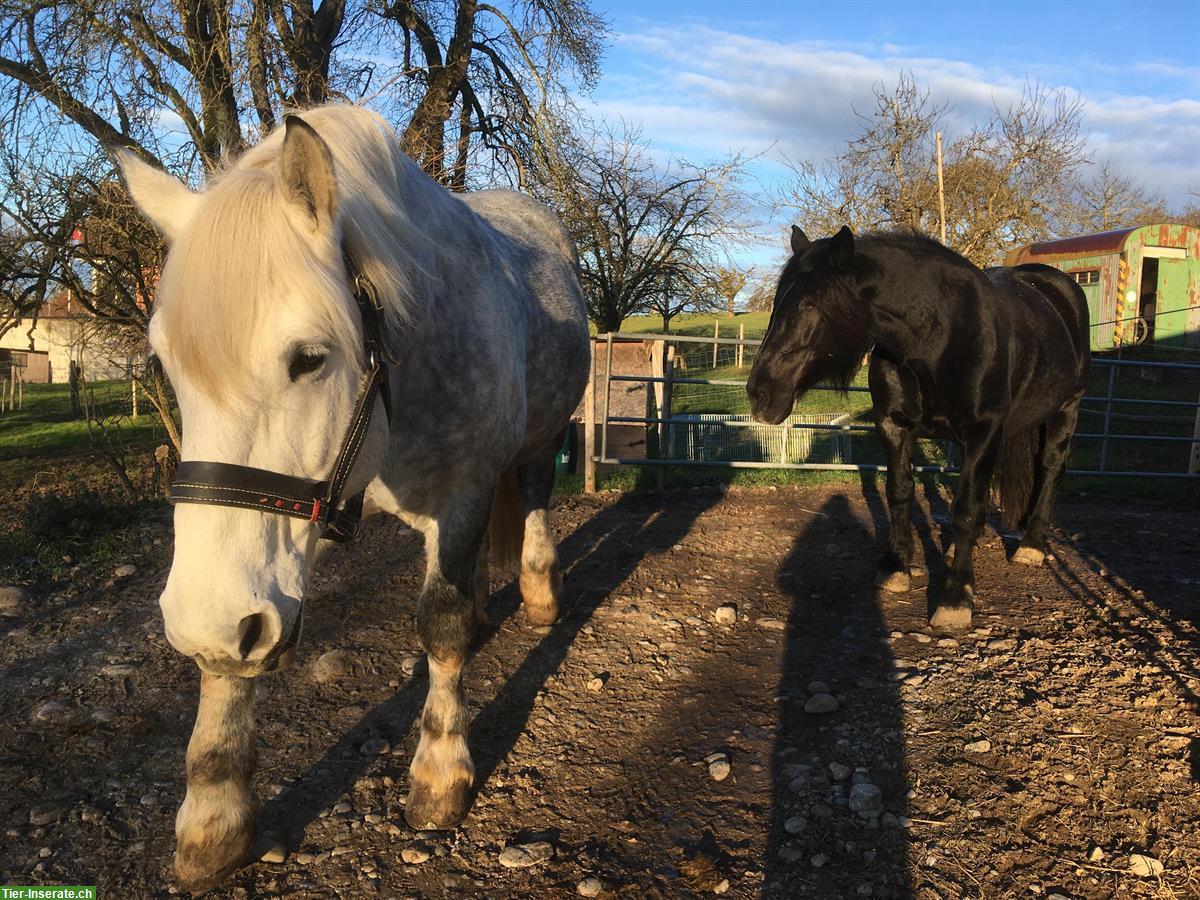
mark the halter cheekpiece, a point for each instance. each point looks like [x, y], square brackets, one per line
[320, 502]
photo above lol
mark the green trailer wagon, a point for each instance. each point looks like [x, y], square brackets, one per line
[1142, 284]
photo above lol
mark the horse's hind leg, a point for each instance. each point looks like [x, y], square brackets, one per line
[215, 824]
[442, 773]
[541, 581]
[969, 511]
[893, 572]
[1055, 449]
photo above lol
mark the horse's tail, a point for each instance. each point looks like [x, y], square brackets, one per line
[506, 529]
[1015, 475]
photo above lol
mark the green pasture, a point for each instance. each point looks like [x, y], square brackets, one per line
[45, 426]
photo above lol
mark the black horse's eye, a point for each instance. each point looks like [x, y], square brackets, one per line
[305, 360]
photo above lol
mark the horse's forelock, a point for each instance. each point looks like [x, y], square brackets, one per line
[239, 256]
[242, 253]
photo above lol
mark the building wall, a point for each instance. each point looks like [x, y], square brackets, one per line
[63, 340]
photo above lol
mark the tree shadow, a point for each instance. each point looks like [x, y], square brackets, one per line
[602, 551]
[817, 845]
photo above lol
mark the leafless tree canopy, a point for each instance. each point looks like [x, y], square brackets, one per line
[185, 84]
[1004, 180]
[649, 233]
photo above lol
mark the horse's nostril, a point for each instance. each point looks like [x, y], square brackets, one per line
[250, 629]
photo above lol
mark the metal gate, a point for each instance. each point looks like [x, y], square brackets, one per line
[1139, 419]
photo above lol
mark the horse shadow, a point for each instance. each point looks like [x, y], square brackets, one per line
[603, 551]
[817, 845]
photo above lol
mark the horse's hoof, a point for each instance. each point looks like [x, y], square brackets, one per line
[893, 582]
[1028, 556]
[201, 865]
[951, 617]
[430, 811]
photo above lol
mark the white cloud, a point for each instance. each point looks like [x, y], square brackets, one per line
[703, 92]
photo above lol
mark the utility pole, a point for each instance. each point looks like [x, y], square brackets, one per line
[941, 189]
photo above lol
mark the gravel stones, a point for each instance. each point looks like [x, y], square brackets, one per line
[126, 570]
[719, 768]
[12, 598]
[589, 887]
[331, 666]
[821, 703]
[522, 856]
[725, 615]
[1144, 866]
[415, 854]
[47, 813]
[983, 746]
[866, 799]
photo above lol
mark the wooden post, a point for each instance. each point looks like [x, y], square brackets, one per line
[664, 415]
[133, 390]
[21, 392]
[589, 424]
[941, 189]
[716, 334]
[741, 350]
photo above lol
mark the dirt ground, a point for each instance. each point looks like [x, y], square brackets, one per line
[1031, 756]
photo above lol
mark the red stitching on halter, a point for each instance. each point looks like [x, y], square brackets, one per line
[316, 511]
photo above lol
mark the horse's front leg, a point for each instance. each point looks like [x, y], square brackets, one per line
[969, 512]
[442, 774]
[215, 824]
[893, 571]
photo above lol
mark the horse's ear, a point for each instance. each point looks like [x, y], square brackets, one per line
[800, 241]
[306, 172]
[161, 198]
[841, 248]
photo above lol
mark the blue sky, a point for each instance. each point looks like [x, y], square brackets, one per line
[708, 78]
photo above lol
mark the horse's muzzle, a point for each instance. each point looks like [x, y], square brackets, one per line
[281, 657]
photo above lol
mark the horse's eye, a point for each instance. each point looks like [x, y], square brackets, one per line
[305, 360]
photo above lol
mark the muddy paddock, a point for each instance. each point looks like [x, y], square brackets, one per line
[645, 745]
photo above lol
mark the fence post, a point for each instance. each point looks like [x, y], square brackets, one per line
[1194, 462]
[21, 392]
[589, 424]
[716, 334]
[741, 350]
[607, 391]
[1112, 384]
[664, 414]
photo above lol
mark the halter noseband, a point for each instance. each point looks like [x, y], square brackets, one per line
[226, 484]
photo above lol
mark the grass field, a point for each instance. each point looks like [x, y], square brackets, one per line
[45, 426]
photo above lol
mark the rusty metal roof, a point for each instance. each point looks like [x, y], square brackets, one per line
[1084, 245]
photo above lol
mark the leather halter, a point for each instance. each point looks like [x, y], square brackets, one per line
[226, 484]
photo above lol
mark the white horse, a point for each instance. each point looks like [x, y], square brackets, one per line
[289, 280]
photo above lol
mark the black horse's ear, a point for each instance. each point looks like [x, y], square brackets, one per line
[841, 248]
[800, 242]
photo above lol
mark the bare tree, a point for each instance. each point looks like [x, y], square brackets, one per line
[1005, 180]
[648, 233]
[185, 84]
[684, 285]
[762, 293]
[728, 283]
[1107, 200]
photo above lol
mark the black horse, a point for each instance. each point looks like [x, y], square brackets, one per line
[994, 359]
